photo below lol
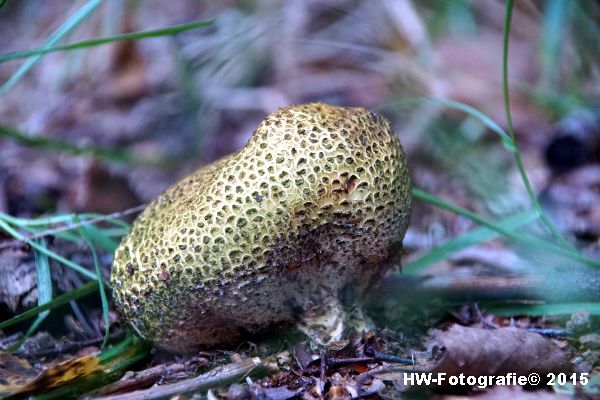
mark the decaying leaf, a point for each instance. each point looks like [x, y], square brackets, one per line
[14, 373]
[476, 351]
[513, 392]
[17, 278]
[57, 375]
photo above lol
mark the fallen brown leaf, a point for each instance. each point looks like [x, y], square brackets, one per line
[52, 377]
[511, 392]
[17, 277]
[476, 351]
[14, 373]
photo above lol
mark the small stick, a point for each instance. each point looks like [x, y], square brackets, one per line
[551, 332]
[142, 378]
[62, 348]
[216, 377]
[323, 366]
[331, 362]
[362, 378]
[392, 358]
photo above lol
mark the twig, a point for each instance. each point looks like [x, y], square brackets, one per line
[332, 362]
[322, 375]
[551, 332]
[217, 377]
[301, 355]
[393, 359]
[62, 348]
[144, 378]
[323, 372]
[361, 379]
[329, 362]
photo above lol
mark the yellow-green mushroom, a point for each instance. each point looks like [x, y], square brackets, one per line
[316, 203]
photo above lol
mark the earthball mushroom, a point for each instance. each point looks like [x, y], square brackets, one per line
[315, 204]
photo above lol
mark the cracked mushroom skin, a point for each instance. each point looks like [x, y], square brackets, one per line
[317, 201]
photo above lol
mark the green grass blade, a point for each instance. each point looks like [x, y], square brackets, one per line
[117, 350]
[110, 154]
[132, 345]
[70, 236]
[469, 239]
[106, 238]
[118, 358]
[32, 329]
[40, 221]
[103, 297]
[73, 21]
[11, 231]
[114, 233]
[84, 290]
[507, 141]
[511, 131]
[459, 17]
[86, 218]
[114, 218]
[100, 238]
[539, 310]
[556, 19]
[44, 289]
[457, 105]
[527, 240]
[173, 30]
[44, 279]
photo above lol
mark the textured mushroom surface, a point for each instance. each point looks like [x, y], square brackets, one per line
[317, 201]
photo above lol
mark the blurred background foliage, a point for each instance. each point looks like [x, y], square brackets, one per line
[196, 96]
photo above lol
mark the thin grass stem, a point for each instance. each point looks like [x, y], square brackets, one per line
[511, 132]
[172, 30]
[58, 301]
[517, 237]
[103, 297]
[70, 24]
[14, 233]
